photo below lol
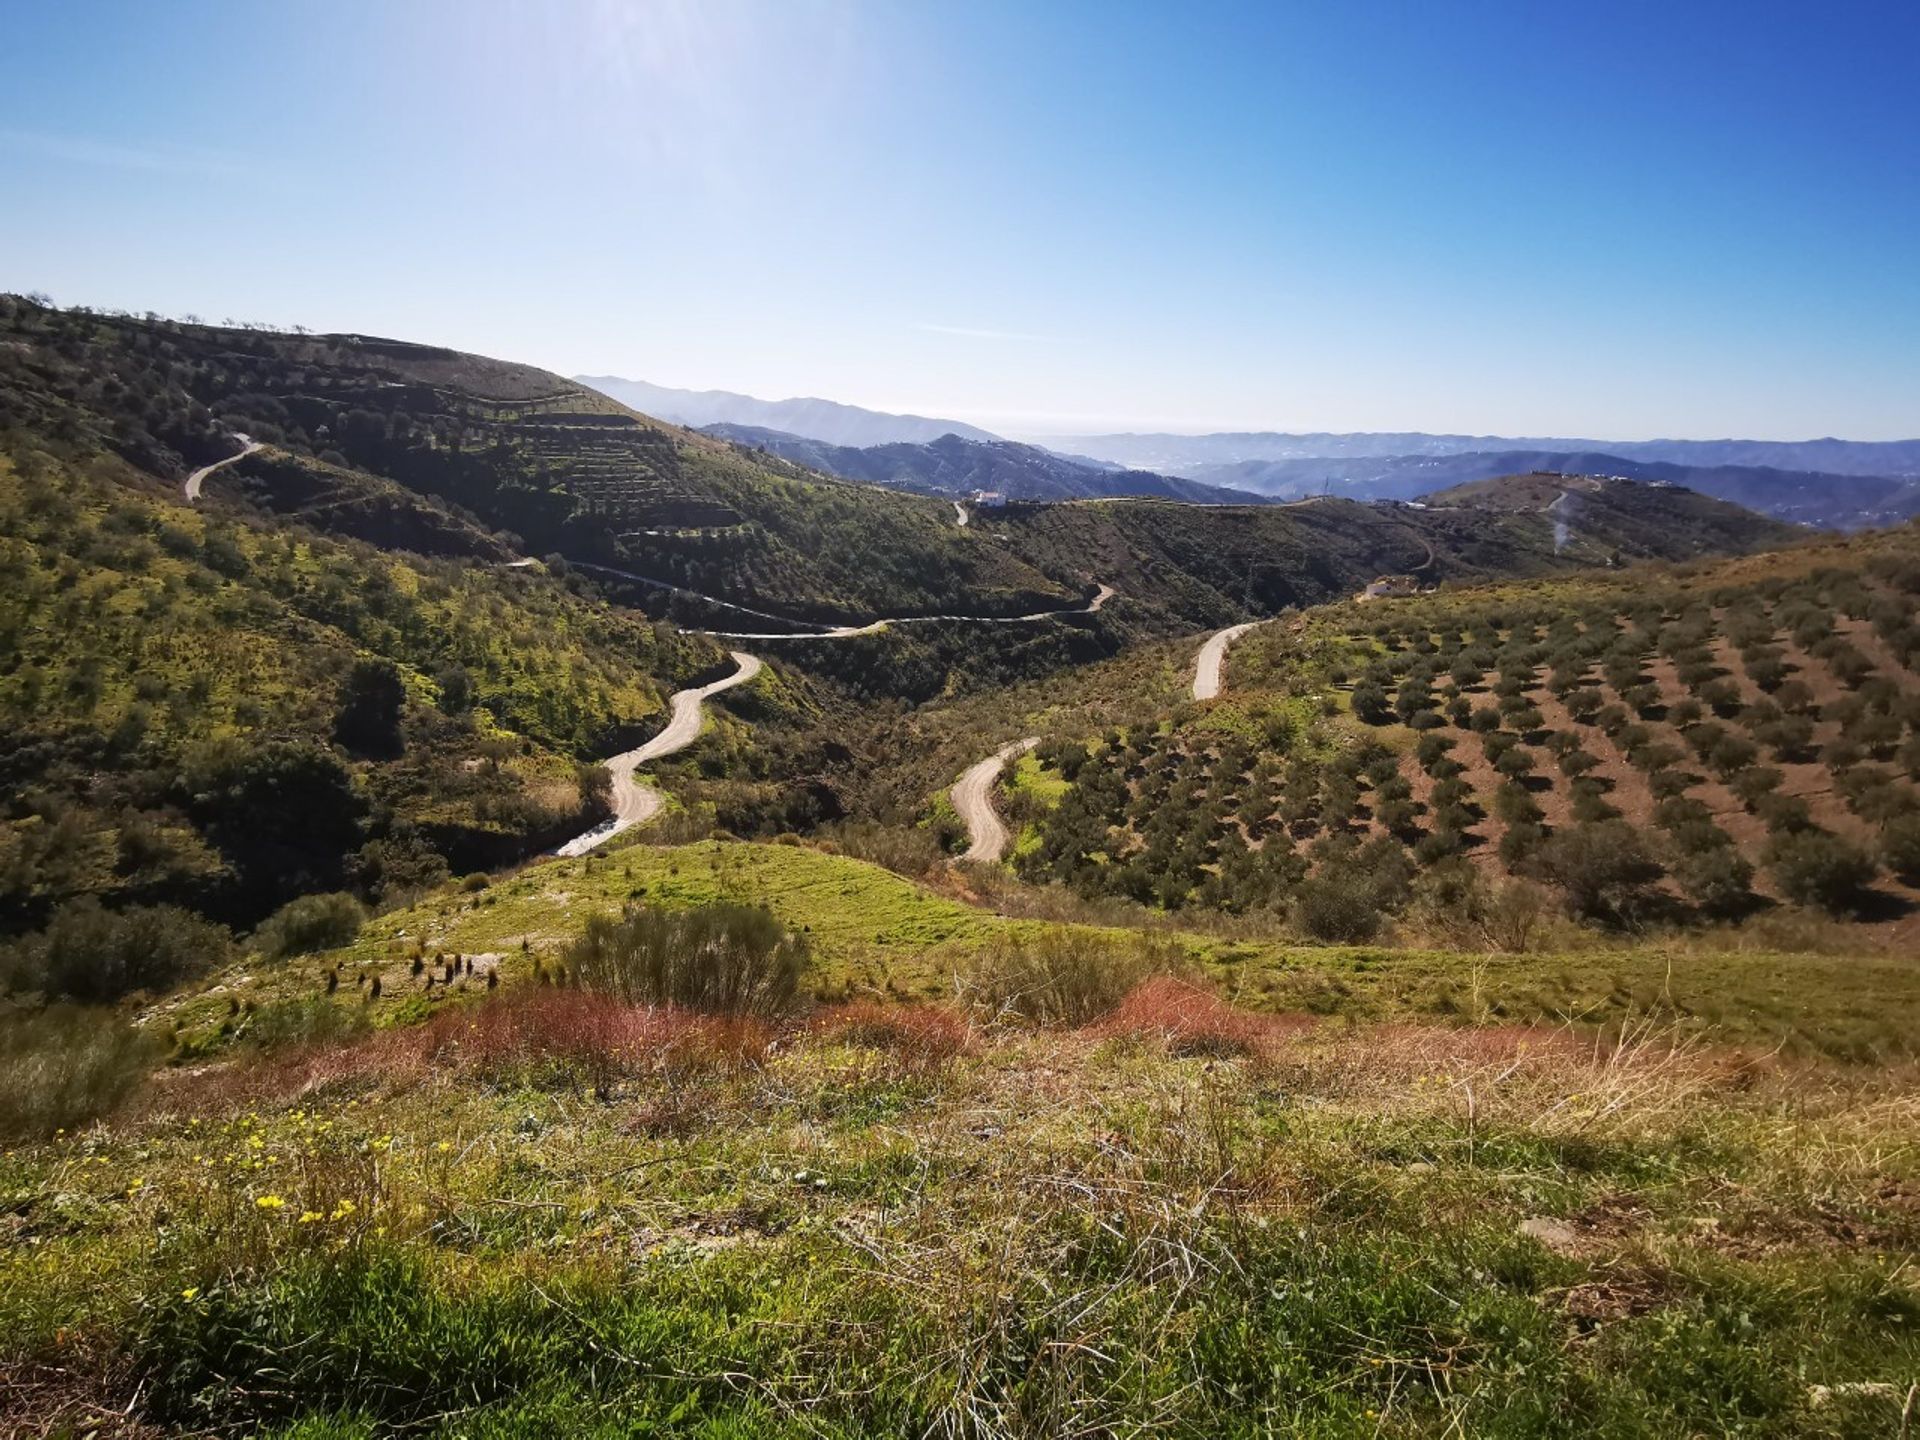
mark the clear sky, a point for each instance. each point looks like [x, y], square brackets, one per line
[1597, 220]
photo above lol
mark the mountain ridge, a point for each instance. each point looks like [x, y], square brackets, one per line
[811, 417]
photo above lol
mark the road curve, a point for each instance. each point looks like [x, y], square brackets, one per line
[1212, 658]
[960, 516]
[198, 477]
[844, 632]
[634, 801]
[973, 798]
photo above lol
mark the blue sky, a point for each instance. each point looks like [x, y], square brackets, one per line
[1614, 221]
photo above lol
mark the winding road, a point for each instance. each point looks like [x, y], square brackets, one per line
[1213, 657]
[960, 516]
[844, 632]
[634, 801]
[973, 798]
[826, 632]
[198, 477]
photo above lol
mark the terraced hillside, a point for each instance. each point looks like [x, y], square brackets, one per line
[1683, 745]
[441, 450]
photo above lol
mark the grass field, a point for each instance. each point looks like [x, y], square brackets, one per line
[876, 935]
[551, 1214]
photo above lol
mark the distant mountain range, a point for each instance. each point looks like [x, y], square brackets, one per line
[954, 465]
[826, 420]
[1834, 484]
[1183, 454]
[1807, 497]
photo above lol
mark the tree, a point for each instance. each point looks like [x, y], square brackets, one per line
[1603, 868]
[368, 720]
[1814, 868]
[1900, 847]
[1370, 703]
[1717, 878]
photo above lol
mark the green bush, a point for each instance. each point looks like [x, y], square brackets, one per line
[724, 959]
[1603, 867]
[1818, 869]
[1059, 976]
[92, 955]
[1900, 847]
[67, 1065]
[302, 1022]
[313, 922]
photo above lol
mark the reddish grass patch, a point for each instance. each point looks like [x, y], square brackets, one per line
[1190, 1019]
[563, 1035]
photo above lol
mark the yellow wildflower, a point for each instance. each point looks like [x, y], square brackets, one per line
[271, 1202]
[192, 1292]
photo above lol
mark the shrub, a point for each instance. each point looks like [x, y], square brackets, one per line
[92, 955]
[723, 959]
[1900, 847]
[1338, 903]
[1059, 976]
[1603, 868]
[65, 1066]
[317, 1019]
[313, 922]
[1717, 878]
[1821, 870]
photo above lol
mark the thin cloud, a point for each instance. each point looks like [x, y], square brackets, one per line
[160, 159]
[970, 332]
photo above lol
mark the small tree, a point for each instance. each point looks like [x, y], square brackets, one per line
[1814, 868]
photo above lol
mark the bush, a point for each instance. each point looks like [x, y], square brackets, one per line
[723, 959]
[62, 1067]
[90, 954]
[281, 1023]
[1821, 870]
[313, 922]
[1603, 868]
[1059, 976]
[1717, 878]
[1338, 903]
[1900, 847]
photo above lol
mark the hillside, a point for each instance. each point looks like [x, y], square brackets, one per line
[1714, 743]
[555, 467]
[1832, 501]
[826, 421]
[957, 466]
[206, 711]
[1181, 454]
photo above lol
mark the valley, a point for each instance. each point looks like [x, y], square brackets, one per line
[1086, 958]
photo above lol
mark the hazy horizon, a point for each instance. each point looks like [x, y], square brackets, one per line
[1616, 223]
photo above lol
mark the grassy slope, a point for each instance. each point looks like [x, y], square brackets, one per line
[877, 934]
[866, 1231]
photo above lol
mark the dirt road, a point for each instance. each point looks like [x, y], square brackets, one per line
[634, 801]
[959, 513]
[973, 798]
[842, 632]
[1213, 656]
[198, 477]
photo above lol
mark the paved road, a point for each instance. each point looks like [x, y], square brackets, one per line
[973, 798]
[198, 477]
[634, 801]
[1213, 656]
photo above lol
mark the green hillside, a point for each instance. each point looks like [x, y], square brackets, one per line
[202, 710]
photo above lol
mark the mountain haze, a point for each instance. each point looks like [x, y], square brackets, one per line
[956, 466]
[825, 420]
